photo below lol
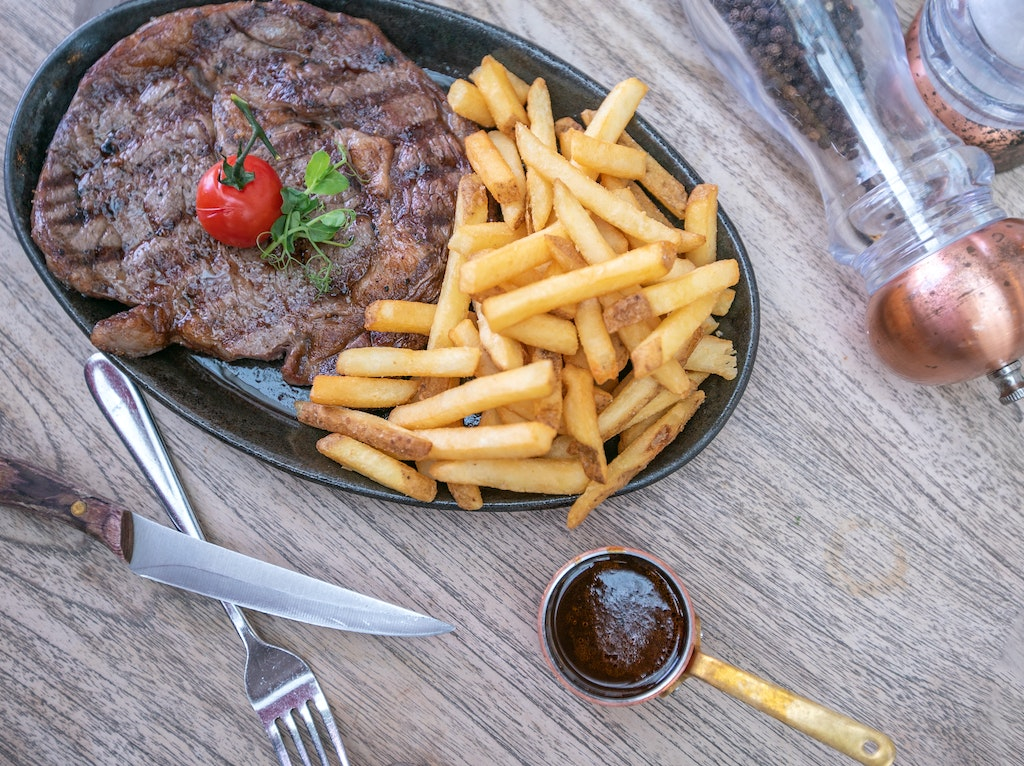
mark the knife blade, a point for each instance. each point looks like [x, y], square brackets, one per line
[170, 557]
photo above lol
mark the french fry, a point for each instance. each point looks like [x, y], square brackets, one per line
[513, 212]
[467, 101]
[492, 417]
[517, 440]
[500, 93]
[564, 446]
[579, 225]
[640, 265]
[714, 355]
[679, 268]
[539, 200]
[708, 279]
[646, 414]
[465, 333]
[666, 296]
[399, 316]
[360, 392]
[565, 129]
[640, 452]
[671, 374]
[613, 183]
[615, 238]
[546, 331]
[626, 197]
[548, 409]
[522, 383]
[710, 324]
[471, 209]
[580, 409]
[520, 87]
[510, 153]
[452, 304]
[538, 111]
[625, 404]
[427, 387]
[607, 157]
[702, 219]
[602, 398]
[698, 377]
[646, 204]
[617, 109]
[389, 362]
[490, 165]
[466, 496]
[366, 427]
[474, 237]
[471, 203]
[628, 310]
[660, 183]
[504, 351]
[501, 264]
[596, 198]
[630, 433]
[724, 303]
[526, 278]
[516, 412]
[565, 255]
[549, 476]
[375, 465]
[672, 334]
[599, 349]
[535, 410]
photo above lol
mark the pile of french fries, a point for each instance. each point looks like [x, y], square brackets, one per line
[575, 320]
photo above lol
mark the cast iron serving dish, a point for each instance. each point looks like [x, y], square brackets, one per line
[247, 404]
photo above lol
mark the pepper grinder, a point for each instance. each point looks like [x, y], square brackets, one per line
[967, 59]
[907, 202]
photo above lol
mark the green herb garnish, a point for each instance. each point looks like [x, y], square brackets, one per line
[304, 216]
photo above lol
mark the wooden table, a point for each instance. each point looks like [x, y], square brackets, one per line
[848, 535]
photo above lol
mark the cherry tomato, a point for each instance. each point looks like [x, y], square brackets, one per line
[234, 217]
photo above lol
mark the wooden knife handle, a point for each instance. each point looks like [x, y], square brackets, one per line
[33, 489]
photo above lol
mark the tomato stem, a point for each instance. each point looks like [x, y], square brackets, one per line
[235, 174]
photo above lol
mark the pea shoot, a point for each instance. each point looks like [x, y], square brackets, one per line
[304, 216]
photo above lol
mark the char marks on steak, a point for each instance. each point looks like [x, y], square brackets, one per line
[114, 210]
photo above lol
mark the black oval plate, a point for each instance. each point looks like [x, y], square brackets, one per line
[247, 405]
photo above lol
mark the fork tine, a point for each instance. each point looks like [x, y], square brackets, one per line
[332, 728]
[278, 743]
[289, 723]
[314, 734]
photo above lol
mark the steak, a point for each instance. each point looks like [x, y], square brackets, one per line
[114, 209]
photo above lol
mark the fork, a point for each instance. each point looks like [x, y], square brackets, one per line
[280, 685]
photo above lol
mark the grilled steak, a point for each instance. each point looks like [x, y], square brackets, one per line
[114, 209]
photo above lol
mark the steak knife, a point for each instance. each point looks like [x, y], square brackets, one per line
[167, 556]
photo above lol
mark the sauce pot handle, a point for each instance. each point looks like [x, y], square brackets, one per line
[836, 730]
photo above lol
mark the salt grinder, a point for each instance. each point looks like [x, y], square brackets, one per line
[967, 58]
[907, 202]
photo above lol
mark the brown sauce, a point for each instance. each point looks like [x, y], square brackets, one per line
[618, 625]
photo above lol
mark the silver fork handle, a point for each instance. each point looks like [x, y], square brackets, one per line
[121, 402]
[127, 412]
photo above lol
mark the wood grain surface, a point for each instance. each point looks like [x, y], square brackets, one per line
[849, 536]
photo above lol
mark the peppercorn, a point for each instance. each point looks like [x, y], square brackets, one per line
[765, 30]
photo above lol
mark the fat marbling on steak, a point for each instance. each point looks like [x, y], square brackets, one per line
[114, 210]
